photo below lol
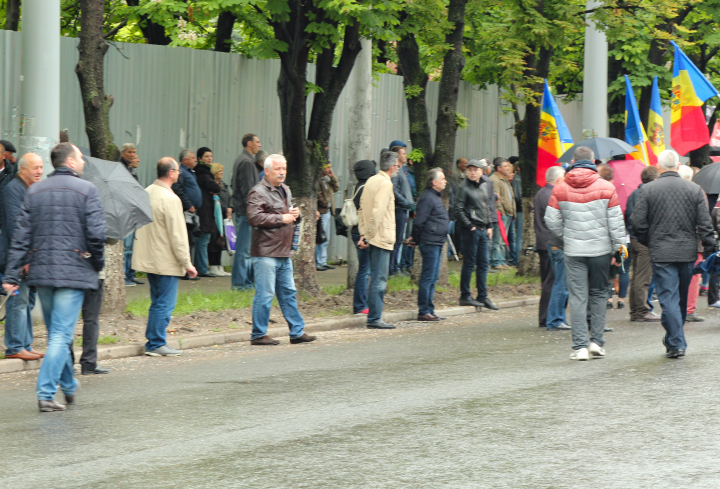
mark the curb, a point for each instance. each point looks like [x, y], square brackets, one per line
[137, 349]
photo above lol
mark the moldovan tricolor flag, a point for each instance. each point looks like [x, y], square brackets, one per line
[554, 138]
[634, 131]
[688, 128]
[655, 125]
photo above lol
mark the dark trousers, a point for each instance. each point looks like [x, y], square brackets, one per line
[640, 280]
[672, 281]
[475, 259]
[91, 327]
[361, 279]
[713, 292]
[400, 220]
[548, 280]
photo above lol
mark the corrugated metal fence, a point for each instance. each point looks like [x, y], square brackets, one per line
[167, 99]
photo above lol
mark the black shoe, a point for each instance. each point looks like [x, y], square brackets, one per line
[321, 269]
[95, 371]
[469, 301]
[187, 277]
[609, 305]
[381, 325]
[328, 267]
[137, 281]
[675, 353]
[205, 275]
[621, 305]
[305, 338]
[69, 399]
[50, 406]
[488, 303]
[608, 330]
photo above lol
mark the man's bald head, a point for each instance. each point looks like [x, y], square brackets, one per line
[168, 169]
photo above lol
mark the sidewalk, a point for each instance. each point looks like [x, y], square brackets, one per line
[137, 349]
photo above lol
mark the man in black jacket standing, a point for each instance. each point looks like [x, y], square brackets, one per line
[244, 178]
[669, 216]
[62, 223]
[545, 244]
[430, 232]
[472, 209]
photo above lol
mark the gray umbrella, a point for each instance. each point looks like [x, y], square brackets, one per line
[125, 201]
[602, 147]
[709, 178]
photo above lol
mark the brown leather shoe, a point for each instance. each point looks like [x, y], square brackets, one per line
[428, 317]
[440, 318]
[647, 318]
[40, 354]
[50, 406]
[264, 341]
[24, 355]
[305, 338]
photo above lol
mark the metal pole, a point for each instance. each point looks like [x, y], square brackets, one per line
[595, 118]
[40, 78]
[359, 133]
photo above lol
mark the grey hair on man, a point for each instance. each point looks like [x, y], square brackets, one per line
[432, 175]
[387, 160]
[686, 173]
[583, 153]
[553, 173]
[668, 160]
[184, 154]
[272, 159]
[128, 147]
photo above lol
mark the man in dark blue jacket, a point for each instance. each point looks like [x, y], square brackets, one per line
[18, 322]
[430, 232]
[404, 204]
[60, 234]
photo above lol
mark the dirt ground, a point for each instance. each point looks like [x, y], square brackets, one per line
[129, 329]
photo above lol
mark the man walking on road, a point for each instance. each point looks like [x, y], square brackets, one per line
[59, 242]
[377, 232]
[273, 217]
[430, 232]
[244, 178]
[18, 308]
[584, 211]
[554, 295]
[641, 266]
[472, 214]
[163, 252]
[669, 216]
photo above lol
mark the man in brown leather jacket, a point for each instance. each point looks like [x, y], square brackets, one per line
[272, 217]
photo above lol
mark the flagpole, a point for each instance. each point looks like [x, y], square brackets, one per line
[644, 152]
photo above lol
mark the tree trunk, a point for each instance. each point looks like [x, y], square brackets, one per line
[153, 33]
[616, 105]
[223, 32]
[96, 107]
[12, 15]
[530, 264]
[446, 122]
[415, 82]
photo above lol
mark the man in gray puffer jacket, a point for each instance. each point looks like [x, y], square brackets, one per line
[584, 211]
[59, 241]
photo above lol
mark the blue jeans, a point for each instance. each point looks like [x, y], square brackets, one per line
[651, 291]
[61, 309]
[408, 252]
[511, 256]
[163, 297]
[361, 279]
[557, 306]
[518, 237]
[475, 259]
[127, 257]
[201, 253]
[321, 249]
[400, 221]
[379, 267]
[428, 278]
[18, 321]
[672, 281]
[498, 245]
[242, 271]
[275, 276]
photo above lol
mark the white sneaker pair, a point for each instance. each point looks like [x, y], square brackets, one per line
[584, 353]
[218, 271]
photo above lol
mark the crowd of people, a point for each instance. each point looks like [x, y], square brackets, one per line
[53, 237]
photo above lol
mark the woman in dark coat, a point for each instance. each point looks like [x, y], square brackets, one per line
[206, 212]
[217, 243]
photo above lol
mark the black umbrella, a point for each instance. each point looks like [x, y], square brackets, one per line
[602, 147]
[709, 178]
[714, 150]
[125, 201]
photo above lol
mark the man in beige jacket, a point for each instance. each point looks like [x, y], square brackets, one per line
[506, 206]
[377, 229]
[161, 250]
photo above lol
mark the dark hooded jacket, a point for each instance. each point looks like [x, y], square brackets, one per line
[208, 187]
[364, 169]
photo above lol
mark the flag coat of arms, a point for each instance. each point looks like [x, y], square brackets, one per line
[554, 138]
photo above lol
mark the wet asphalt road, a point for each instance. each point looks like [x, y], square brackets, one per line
[478, 401]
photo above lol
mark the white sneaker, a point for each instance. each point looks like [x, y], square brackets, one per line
[581, 354]
[595, 350]
[717, 304]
